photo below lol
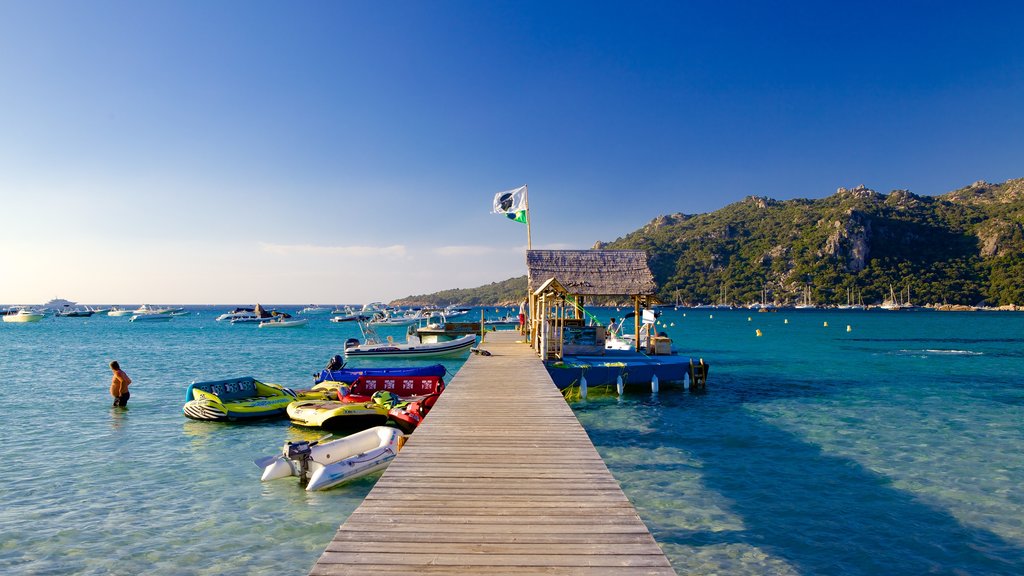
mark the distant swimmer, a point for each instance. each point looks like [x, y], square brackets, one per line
[119, 385]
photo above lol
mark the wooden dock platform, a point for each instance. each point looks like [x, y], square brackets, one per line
[500, 478]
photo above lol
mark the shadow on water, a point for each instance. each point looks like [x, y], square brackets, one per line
[820, 513]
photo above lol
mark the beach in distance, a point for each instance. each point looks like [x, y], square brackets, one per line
[837, 442]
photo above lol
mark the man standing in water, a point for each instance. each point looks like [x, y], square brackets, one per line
[119, 385]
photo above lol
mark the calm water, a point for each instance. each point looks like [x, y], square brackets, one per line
[894, 448]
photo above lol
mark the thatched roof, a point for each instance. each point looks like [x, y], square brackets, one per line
[592, 272]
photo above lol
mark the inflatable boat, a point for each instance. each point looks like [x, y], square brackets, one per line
[337, 372]
[320, 466]
[236, 399]
[337, 415]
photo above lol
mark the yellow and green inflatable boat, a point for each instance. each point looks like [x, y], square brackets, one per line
[236, 399]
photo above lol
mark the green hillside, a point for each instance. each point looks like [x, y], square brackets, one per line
[506, 293]
[964, 247]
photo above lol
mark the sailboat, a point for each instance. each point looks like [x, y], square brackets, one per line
[850, 305]
[806, 303]
[892, 302]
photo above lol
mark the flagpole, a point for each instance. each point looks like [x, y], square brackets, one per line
[526, 201]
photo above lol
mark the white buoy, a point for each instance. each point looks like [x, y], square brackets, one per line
[825, 324]
[758, 331]
[848, 329]
[620, 386]
[583, 387]
[673, 324]
[654, 384]
[749, 319]
[786, 321]
[684, 314]
[711, 315]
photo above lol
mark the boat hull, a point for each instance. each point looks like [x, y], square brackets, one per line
[452, 348]
[23, 318]
[237, 399]
[350, 375]
[284, 323]
[339, 461]
[335, 415]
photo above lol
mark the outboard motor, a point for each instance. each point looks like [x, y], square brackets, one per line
[351, 342]
[335, 363]
[301, 451]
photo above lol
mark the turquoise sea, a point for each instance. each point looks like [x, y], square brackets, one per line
[896, 447]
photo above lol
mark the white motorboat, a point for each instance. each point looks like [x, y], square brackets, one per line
[118, 311]
[150, 318]
[282, 322]
[24, 315]
[239, 314]
[389, 319]
[314, 309]
[376, 348]
[320, 466]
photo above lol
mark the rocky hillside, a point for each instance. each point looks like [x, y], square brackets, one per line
[963, 247]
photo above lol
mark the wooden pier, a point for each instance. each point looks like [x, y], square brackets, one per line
[499, 479]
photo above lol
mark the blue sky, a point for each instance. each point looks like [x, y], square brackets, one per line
[234, 152]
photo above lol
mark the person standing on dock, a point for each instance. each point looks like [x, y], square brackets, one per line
[522, 317]
[119, 385]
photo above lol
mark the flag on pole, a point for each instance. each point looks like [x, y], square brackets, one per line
[511, 203]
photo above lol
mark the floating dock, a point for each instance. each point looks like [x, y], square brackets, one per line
[500, 478]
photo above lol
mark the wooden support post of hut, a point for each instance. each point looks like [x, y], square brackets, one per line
[559, 280]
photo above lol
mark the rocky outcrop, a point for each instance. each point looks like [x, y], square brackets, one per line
[849, 241]
[999, 237]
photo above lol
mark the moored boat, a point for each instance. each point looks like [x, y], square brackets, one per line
[75, 312]
[237, 399]
[374, 347]
[150, 318]
[337, 372]
[282, 322]
[323, 465]
[337, 415]
[24, 315]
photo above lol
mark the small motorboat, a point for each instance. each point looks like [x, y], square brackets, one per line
[353, 317]
[150, 318]
[314, 309]
[116, 311]
[323, 465]
[374, 347]
[456, 347]
[338, 415]
[236, 399]
[75, 312]
[24, 315]
[282, 322]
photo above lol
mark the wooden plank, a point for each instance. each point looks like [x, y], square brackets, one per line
[496, 487]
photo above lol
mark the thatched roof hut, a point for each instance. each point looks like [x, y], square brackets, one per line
[557, 280]
[592, 272]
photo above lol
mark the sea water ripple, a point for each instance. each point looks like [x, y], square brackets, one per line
[815, 450]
